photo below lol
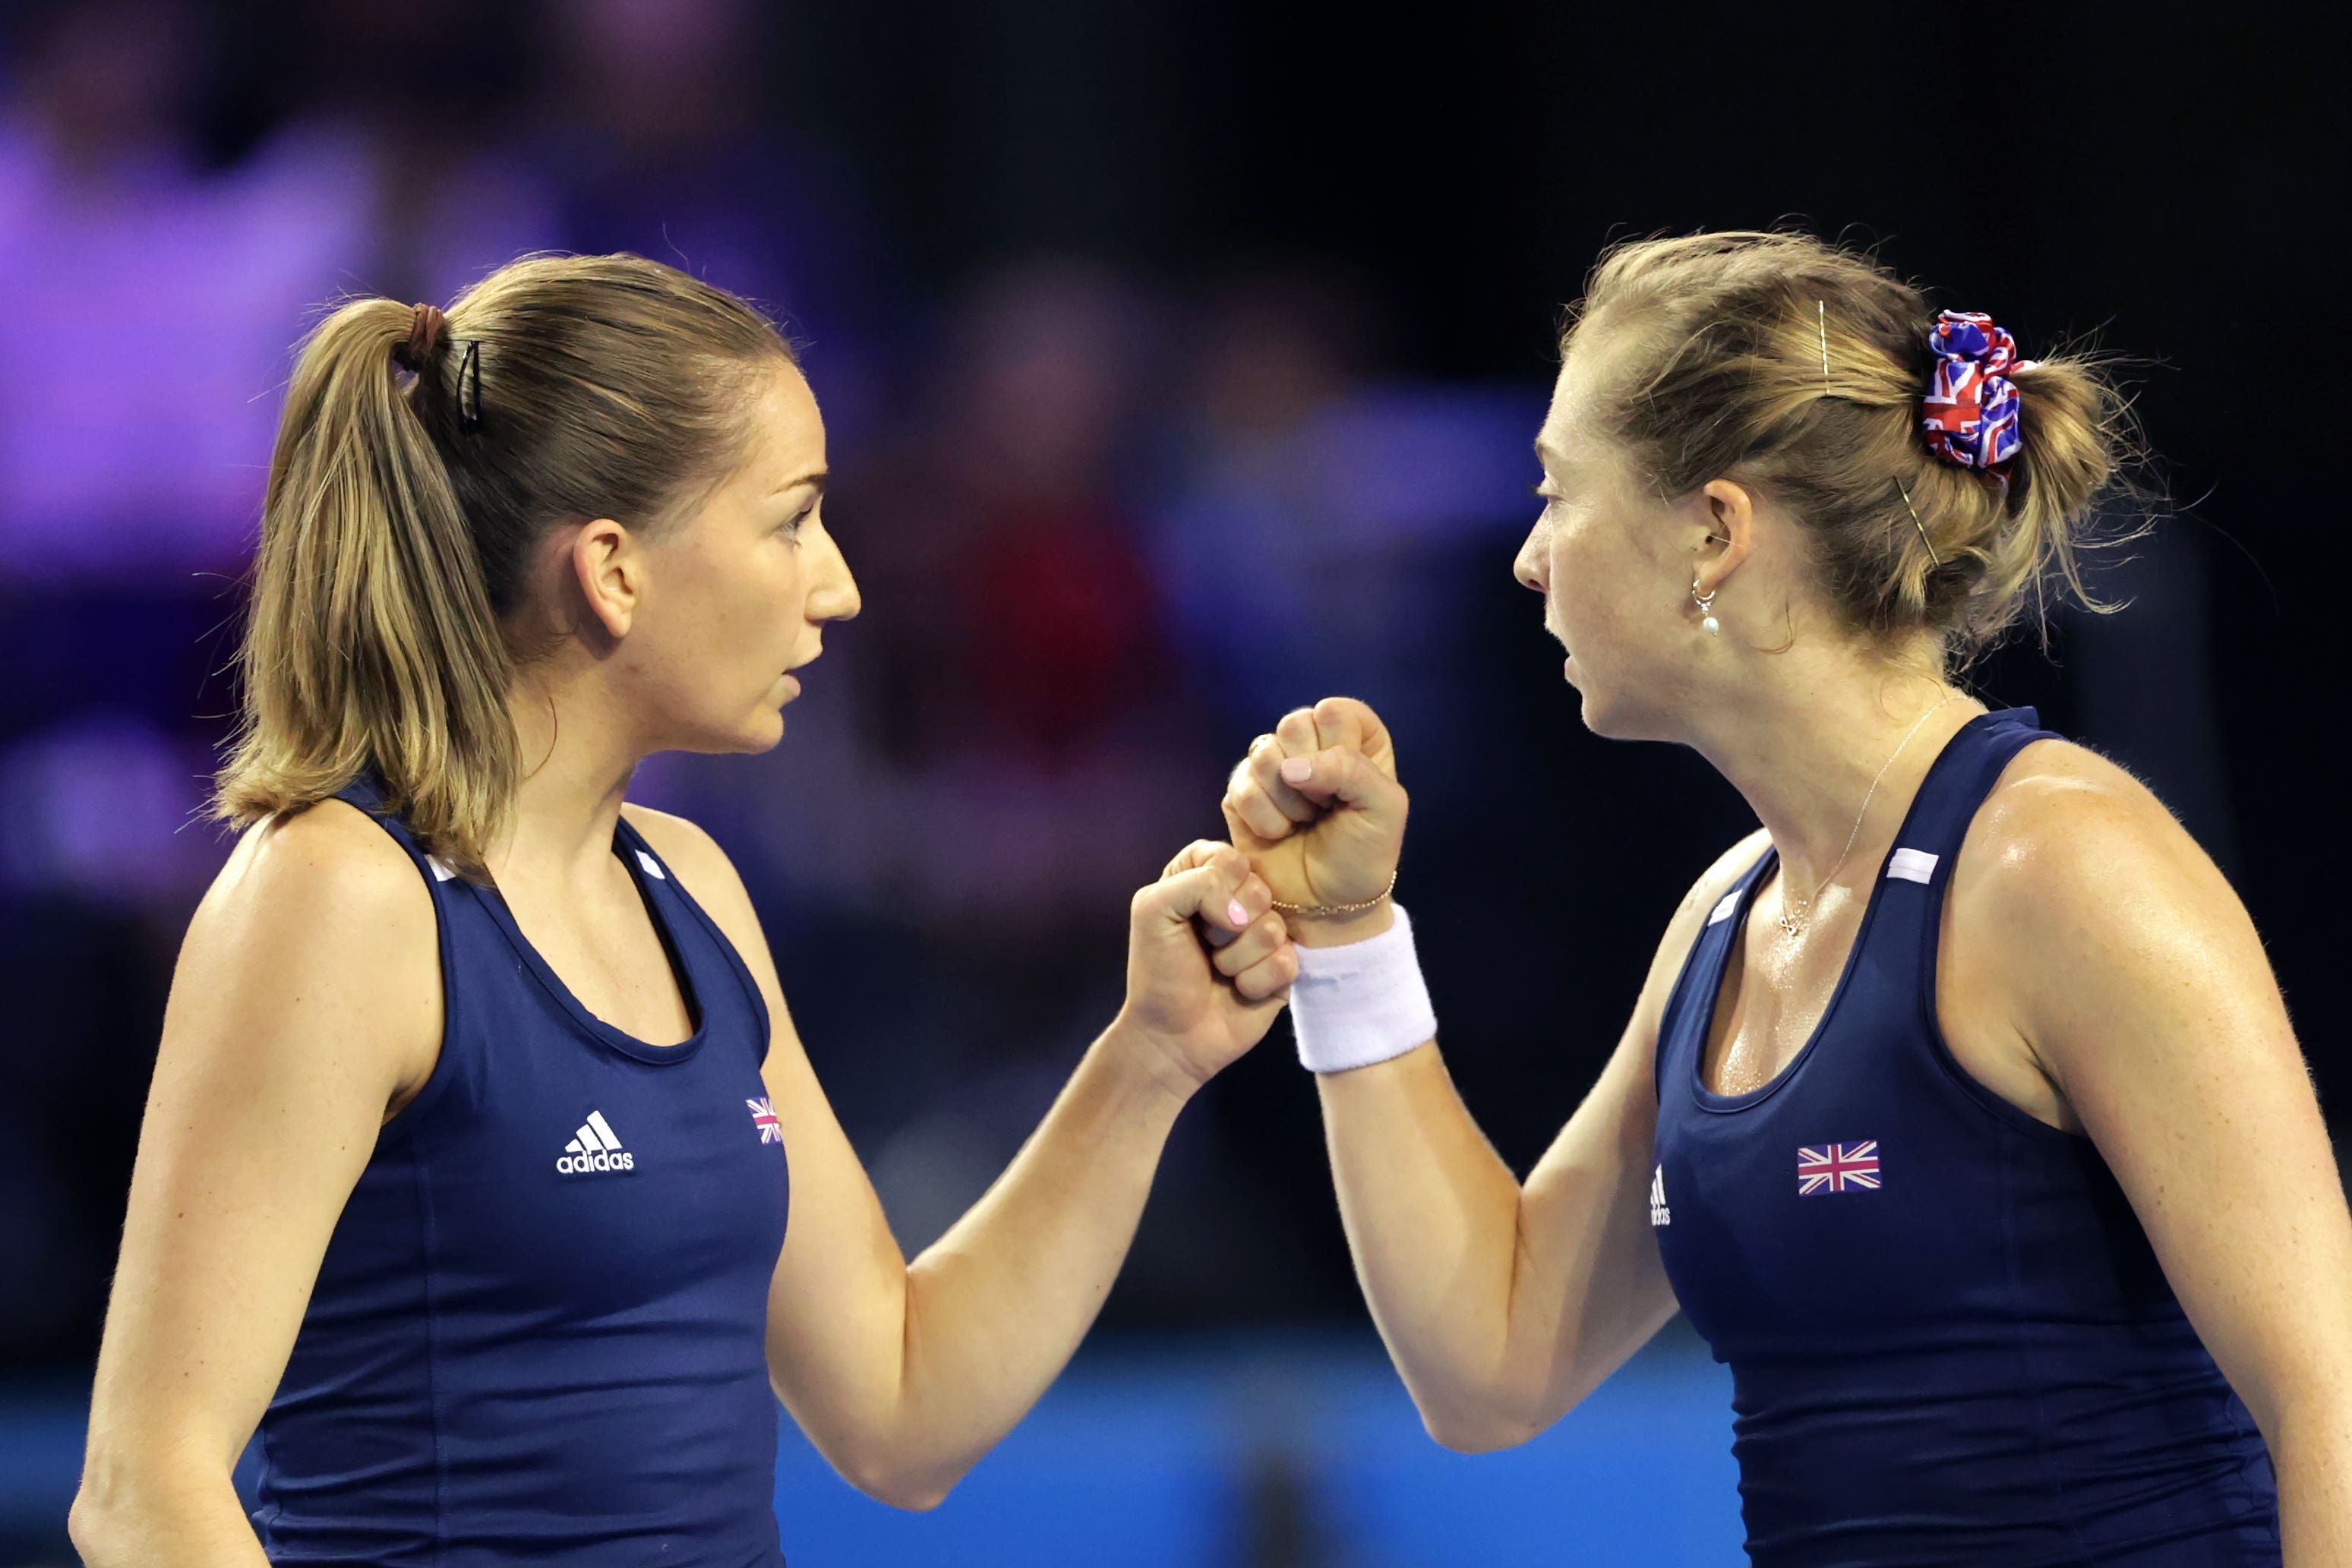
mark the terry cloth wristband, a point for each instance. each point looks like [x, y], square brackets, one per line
[1362, 1003]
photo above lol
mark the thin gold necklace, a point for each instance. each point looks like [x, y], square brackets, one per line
[1792, 918]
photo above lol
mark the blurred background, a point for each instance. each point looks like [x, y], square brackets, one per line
[1182, 360]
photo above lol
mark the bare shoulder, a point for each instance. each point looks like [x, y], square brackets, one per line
[2078, 894]
[328, 870]
[320, 927]
[2066, 834]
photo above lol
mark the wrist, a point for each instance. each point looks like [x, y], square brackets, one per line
[1341, 930]
[1145, 1064]
[1361, 1003]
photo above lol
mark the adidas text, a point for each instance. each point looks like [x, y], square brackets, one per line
[594, 1148]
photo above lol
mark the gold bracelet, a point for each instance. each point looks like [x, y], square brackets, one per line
[1318, 911]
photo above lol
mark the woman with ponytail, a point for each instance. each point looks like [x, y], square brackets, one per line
[483, 1172]
[1959, 1110]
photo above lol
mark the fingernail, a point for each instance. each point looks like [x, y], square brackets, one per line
[1236, 913]
[1298, 769]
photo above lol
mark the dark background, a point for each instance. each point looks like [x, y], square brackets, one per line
[1423, 189]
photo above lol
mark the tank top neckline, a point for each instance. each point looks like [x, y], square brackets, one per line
[1735, 925]
[636, 858]
[673, 952]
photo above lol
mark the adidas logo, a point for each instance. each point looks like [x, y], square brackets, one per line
[595, 1148]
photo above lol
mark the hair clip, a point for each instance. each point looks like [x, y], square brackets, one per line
[1823, 309]
[470, 368]
[1915, 523]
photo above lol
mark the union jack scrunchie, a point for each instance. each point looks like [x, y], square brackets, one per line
[1969, 413]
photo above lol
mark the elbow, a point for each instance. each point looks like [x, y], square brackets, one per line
[916, 1498]
[111, 1523]
[1482, 1424]
[908, 1490]
[148, 1501]
[909, 1482]
[97, 1523]
[1475, 1436]
[83, 1530]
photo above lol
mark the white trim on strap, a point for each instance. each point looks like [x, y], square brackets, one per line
[1911, 865]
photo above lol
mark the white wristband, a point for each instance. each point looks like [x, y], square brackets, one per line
[1362, 1003]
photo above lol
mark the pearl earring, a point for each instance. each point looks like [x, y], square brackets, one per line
[1710, 625]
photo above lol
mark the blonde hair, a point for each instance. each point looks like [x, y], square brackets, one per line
[411, 480]
[1727, 379]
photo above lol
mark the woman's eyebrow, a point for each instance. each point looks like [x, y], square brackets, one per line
[817, 478]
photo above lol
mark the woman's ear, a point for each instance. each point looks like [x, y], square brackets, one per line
[607, 566]
[1729, 509]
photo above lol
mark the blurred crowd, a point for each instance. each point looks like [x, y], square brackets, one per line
[1107, 524]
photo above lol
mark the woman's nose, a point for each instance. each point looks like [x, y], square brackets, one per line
[1527, 567]
[835, 596]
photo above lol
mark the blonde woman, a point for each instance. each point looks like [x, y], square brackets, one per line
[465, 1172]
[1959, 1110]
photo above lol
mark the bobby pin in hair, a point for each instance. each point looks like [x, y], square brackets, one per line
[1915, 520]
[1822, 308]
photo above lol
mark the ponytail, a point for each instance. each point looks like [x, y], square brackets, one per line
[371, 642]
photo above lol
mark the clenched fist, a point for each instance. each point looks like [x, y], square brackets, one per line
[1316, 808]
[1208, 966]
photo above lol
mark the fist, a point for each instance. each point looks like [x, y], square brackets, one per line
[1208, 964]
[1316, 808]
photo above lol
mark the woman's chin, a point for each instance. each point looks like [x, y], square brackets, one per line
[759, 730]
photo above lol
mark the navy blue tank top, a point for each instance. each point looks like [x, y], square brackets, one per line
[1950, 1341]
[539, 1330]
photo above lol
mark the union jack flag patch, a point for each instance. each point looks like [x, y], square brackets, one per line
[1836, 1168]
[763, 1116]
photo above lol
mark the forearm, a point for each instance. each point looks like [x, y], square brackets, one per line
[995, 1307]
[122, 1519]
[1432, 1217]
[2311, 1451]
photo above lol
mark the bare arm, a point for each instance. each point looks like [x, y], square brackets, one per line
[905, 1375]
[1502, 1306]
[2139, 984]
[306, 998]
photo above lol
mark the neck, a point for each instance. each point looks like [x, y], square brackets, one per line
[1805, 748]
[577, 759]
